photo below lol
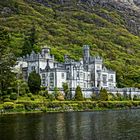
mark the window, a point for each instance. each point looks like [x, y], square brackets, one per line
[81, 74]
[104, 80]
[84, 85]
[51, 80]
[111, 78]
[43, 81]
[88, 76]
[84, 75]
[43, 75]
[62, 75]
[33, 68]
[77, 74]
[68, 75]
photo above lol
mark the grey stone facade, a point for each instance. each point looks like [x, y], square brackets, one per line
[89, 73]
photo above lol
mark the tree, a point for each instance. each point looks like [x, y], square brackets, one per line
[94, 96]
[30, 42]
[78, 94]
[103, 95]
[68, 95]
[7, 61]
[34, 82]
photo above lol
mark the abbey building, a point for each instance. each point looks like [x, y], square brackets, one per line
[89, 73]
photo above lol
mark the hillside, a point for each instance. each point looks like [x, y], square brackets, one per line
[111, 28]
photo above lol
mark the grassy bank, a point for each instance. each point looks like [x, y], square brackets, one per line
[64, 106]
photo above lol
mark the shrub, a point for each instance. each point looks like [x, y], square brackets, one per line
[94, 96]
[51, 97]
[135, 98]
[119, 97]
[103, 95]
[44, 93]
[8, 105]
[31, 106]
[29, 94]
[32, 98]
[6, 98]
[60, 97]
[13, 96]
[19, 106]
[78, 94]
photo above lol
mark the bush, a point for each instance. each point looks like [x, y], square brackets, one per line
[60, 96]
[13, 96]
[78, 94]
[6, 98]
[51, 97]
[8, 105]
[94, 97]
[44, 93]
[31, 106]
[29, 94]
[19, 106]
[103, 95]
[32, 98]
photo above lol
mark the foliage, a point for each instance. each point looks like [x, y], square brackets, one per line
[44, 93]
[60, 97]
[67, 92]
[8, 105]
[55, 92]
[65, 29]
[78, 94]
[103, 95]
[51, 97]
[30, 43]
[13, 96]
[94, 96]
[29, 94]
[7, 61]
[19, 107]
[34, 82]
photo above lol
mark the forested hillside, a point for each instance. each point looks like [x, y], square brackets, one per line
[66, 26]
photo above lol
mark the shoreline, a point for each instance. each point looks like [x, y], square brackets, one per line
[40, 112]
[66, 106]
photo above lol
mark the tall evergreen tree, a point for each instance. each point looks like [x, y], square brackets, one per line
[34, 82]
[78, 94]
[30, 42]
[68, 95]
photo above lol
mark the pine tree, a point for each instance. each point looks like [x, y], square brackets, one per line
[68, 95]
[78, 94]
[34, 82]
[30, 42]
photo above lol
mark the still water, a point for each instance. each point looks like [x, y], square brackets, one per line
[100, 125]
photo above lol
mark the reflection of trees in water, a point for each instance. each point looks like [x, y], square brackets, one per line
[100, 125]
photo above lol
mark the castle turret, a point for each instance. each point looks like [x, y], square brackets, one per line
[86, 54]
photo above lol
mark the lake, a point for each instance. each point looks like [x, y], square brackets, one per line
[98, 125]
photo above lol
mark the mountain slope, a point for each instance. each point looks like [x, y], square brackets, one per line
[66, 25]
